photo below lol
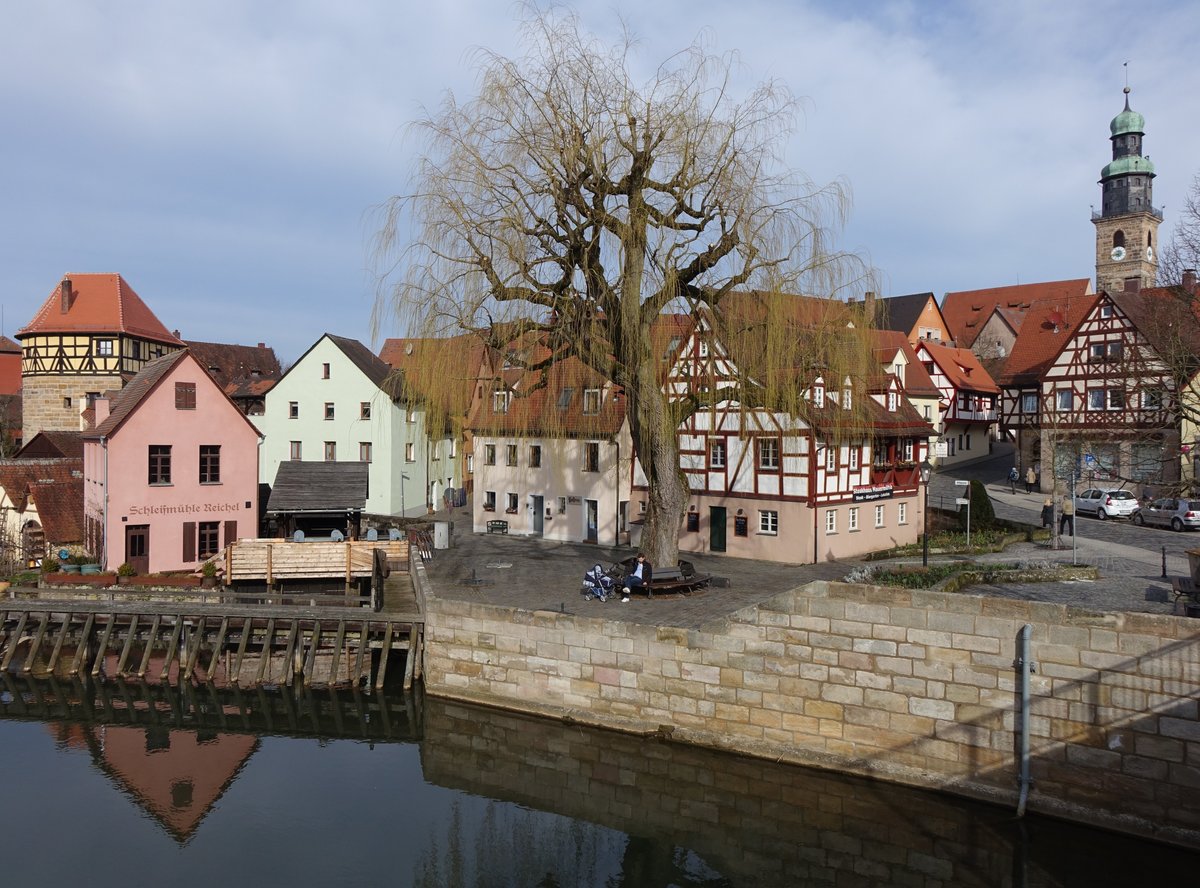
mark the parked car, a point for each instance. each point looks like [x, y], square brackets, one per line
[1177, 514]
[1105, 503]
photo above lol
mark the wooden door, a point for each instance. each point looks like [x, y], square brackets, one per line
[137, 547]
[716, 534]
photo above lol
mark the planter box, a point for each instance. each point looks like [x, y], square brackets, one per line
[181, 582]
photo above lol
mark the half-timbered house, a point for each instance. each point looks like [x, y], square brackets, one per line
[1110, 398]
[92, 333]
[840, 481]
[967, 410]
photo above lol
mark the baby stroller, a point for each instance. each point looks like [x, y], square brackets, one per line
[596, 584]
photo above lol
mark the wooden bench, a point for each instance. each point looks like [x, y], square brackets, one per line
[1183, 587]
[683, 580]
[497, 526]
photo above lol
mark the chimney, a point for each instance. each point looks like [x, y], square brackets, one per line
[262, 345]
[1189, 280]
[68, 295]
[101, 406]
[869, 302]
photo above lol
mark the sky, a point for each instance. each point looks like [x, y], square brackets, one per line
[229, 158]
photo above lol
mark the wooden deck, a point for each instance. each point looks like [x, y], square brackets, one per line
[243, 637]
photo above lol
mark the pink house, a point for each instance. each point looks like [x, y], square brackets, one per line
[170, 470]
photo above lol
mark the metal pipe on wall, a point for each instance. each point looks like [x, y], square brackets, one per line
[1024, 667]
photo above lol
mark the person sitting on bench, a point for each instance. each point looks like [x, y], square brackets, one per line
[639, 577]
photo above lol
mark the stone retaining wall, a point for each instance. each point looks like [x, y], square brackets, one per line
[911, 686]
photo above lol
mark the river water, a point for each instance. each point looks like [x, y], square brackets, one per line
[124, 785]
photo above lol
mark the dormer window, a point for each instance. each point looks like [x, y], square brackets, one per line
[500, 401]
[891, 402]
[818, 397]
[846, 398]
[591, 402]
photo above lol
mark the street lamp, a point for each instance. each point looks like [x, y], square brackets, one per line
[926, 471]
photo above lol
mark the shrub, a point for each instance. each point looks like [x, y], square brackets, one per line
[983, 516]
[208, 569]
[50, 565]
[126, 570]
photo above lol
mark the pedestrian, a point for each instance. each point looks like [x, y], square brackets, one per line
[1013, 475]
[1068, 516]
[1047, 512]
[1030, 480]
[639, 577]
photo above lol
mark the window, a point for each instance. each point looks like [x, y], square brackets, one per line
[902, 513]
[891, 402]
[210, 463]
[104, 347]
[968, 441]
[410, 453]
[410, 415]
[1096, 351]
[830, 458]
[453, 448]
[470, 462]
[324, 371]
[768, 521]
[831, 521]
[768, 453]
[535, 456]
[489, 454]
[562, 505]
[693, 522]
[564, 398]
[1063, 399]
[716, 455]
[1116, 399]
[964, 401]
[329, 410]
[591, 402]
[1029, 402]
[185, 396]
[294, 451]
[1152, 399]
[1095, 399]
[499, 401]
[1106, 310]
[511, 508]
[510, 454]
[1115, 350]
[293, 409]
[208, 540]
[489, 501]
[591, 456]
[364, 410]
[847, 396]
[853, 457]
[907, 450]
[330, 451]
[160, 463]
[818, 397]
[852, 523]
[703, 348]
[927, 413]
[879, 516]
[364, 451]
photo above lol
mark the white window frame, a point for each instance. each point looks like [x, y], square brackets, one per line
[879, 515]
[852, 520]
[768, 522]
[854, 457]
[768, 453]
[902, 513]
[1058, 399]
[830, 521]
[831, 458]
[891, 402]
[715, 448]
[818, 396]
[591, 402]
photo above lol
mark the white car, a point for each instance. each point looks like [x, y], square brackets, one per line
[1105, 503]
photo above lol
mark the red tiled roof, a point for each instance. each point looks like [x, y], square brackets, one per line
[60, 509]
[962, 368]
[233, 364]
[51, 444]
[1047, 327]
[457, 360]
[916, 380]
[7, 346]
[966, 311]
[99, 303]
[16, 476]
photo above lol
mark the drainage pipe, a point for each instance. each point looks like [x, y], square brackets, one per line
[1024, 667]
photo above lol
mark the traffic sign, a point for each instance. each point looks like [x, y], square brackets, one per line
[961, 501]
[961, 483]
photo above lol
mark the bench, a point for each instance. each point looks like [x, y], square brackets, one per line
[682, 579]
[1184, 587]
[497, 526]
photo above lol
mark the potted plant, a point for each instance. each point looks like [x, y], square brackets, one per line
[124, 572]
[50, 565]
[208, 573]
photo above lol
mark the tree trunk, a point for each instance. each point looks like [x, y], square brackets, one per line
[657, 448]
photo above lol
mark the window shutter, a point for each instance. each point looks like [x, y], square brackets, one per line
[189, 541]
[230, 532]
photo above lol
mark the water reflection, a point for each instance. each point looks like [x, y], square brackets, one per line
[348, 788]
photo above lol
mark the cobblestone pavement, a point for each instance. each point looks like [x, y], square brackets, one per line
[537, 574]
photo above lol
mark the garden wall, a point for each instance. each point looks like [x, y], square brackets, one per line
[911, 686]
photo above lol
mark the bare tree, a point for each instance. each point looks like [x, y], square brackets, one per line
[570, 202]
[1182, 254]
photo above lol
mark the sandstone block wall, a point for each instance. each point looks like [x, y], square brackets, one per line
[916, 687]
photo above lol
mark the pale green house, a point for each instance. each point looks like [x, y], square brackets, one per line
[334, 404]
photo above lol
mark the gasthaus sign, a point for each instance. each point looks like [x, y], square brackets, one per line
[867, 492]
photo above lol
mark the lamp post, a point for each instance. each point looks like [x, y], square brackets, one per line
[926, 471]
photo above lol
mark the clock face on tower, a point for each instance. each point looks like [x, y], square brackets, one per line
[1149, 254]
[1118, 253]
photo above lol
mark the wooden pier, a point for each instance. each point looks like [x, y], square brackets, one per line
[224, 637]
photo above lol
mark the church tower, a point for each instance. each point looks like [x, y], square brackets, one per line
[1127, 224]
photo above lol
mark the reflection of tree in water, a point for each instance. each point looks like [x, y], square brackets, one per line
[518, 847]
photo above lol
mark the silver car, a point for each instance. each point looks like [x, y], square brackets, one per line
[1105, 503]
[1177, 514]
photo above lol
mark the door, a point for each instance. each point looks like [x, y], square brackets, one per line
[539, 515]
[137, 547]
[716, 532]
[592, 512]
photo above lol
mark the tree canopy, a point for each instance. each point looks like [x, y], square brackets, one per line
[576, 203]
